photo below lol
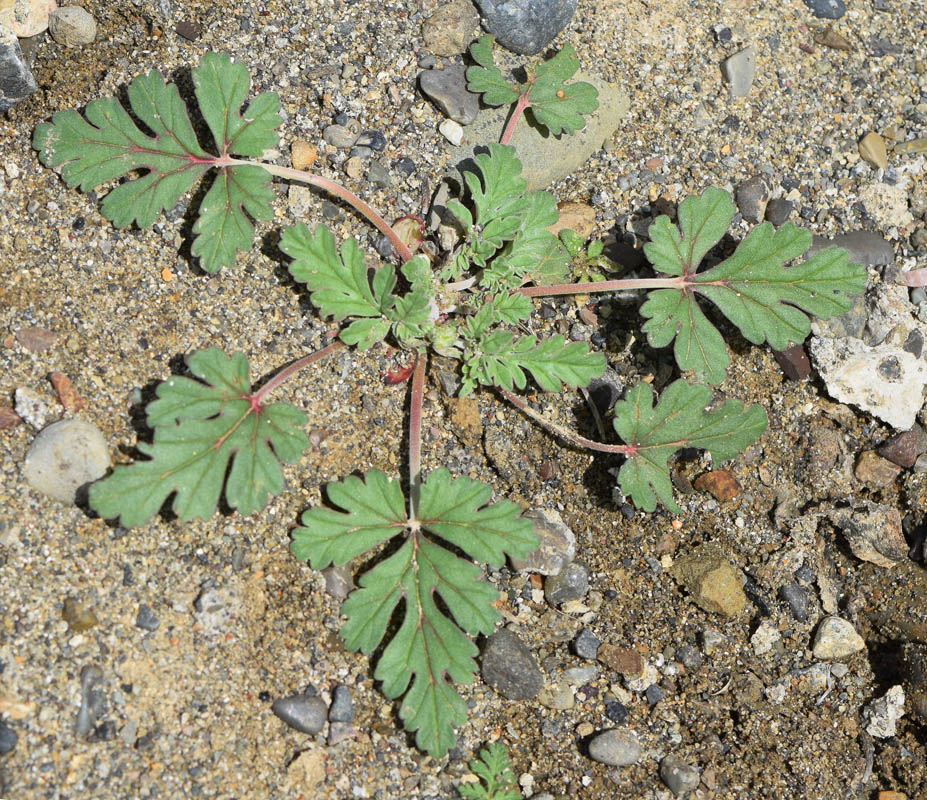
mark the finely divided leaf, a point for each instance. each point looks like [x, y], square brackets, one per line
[753, 288]
[500, 197]
[557, 105]
[199, 427]
[339, 284]
[486, 79]
[678, 420]
[496, 771]
[431, 650]
[106, 144]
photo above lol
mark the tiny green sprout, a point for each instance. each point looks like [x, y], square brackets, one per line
[497, 781]
[588, 263]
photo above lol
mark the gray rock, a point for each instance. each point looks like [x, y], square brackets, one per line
[779, 210]
[873, 532]
[338, 581]
[449, 31]
[342, 707]
[92, 701]
[835, 639]
[72, 26]
[739, 70]
[680, 777]
[447, 89]
[864, 247]
[827, 9]
[16, 81]
[617, 748]
[571, 583]
[378, 175]
[557, 544]
[606, 390]
[796, 596]
[339, 136]
[884, 380]
[146, 619]
[546, 159]
[752, 196]
[689, 657]
[8, 738]
[301, 712]
[64, 457]
[509, 667]
[881, 714]
[586, 644]
[526, 26]
[375, 140]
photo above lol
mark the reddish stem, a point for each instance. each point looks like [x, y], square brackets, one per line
[520, 106]
[575, 438]
[286, 372]
[415, 434]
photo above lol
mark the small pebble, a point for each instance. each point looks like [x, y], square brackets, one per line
[447, 89]
[827, 9]
[8, 738]
[339, 731]
[836, 638]
[339, 136]
[342, 707]
[146, 619]
[378, 175]
[354, 168]
[779, 210]
[739, 70]
[64, 457]
[338, 581]
[689, 657]
[360, 152]
[617, 712]
[372, 139]
[882, 714]
[680, 777]
[32, 407]
[526, 27]
[752, 196]
[557, 544]
[872, 150]
[451, 131]
[558, 696]
[617, 748]
[72, 26]
[654, 694]
[796, 596]
[302, 712]
[92, 704]
[80, 617]
[451, 28]
[793, 361]
[586, 644]
[510, 668]
[571, 583]
[904, 448]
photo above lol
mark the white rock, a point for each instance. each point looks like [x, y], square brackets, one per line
[887, 205]
[451, 131]
[881, 715]
[33, 407]
[72, 26]
[836, 638]
[25, 17]
[764, 638]
[884, 380]
[65, 456]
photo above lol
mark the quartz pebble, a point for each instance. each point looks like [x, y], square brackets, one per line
[72, 26]
[835, 639]
[882, 714]
[32, 407]
[451, 131]
[616, 748]
[64, 457]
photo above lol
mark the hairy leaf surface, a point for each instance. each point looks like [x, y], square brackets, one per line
[431, 650]
[200, 428]
[678, 420]
[560, 106]
[106, 144]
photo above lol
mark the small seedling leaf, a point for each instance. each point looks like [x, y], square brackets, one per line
[431, 649]
[766, 300]
[498, 780]
[105, 144]
[678, 420]
[486, 79]
[200, 426]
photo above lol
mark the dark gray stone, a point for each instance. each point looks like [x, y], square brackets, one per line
[509, 667]
[301, 712]
[827, 9]
[680, 777]
[378, 175]
[654, 694]
[447, 89]
[689, 657]
[16, 81]
[752, 196]
[779, 210]
[571, 583]
[342, 707]
[796, 597]
[617, 748]
[526, 26]
[606, 390]
[372, 139]
[864, 247]
[586, 644]
[8, 738]
[146, 619]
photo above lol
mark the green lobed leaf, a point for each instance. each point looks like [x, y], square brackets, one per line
[678, 420]
[430, 650]
[486, 79]
[498, 194]
[199, 429]
[499, 359]
[753, 288]
[495, 769]
[557, 105]
[106, 144]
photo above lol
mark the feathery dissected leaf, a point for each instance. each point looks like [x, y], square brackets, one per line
[495, 769]
[199, 427]
[486, 79]
[499, 359]
[430, 650]
[106, 144]
[678, 420]
[534, 254]
[560, 106]
[753, 288]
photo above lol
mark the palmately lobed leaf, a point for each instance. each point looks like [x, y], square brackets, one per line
[430, 651]
[486, 78]
[106, 144]
[206, 435]
[678, 420]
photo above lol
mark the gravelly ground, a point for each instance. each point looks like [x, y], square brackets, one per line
[189, 710]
